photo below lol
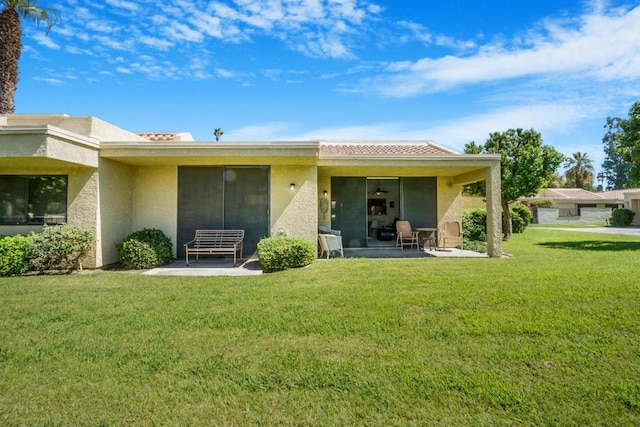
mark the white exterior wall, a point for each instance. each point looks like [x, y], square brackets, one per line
[295, 212]
[115, 208]
[548, 215]
[595, 214]
[155, 200]
[587, 215]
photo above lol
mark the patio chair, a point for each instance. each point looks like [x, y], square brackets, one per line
[330, 243]
[451, 230]
[405, 235]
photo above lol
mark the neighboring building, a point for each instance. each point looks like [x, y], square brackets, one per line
[84, 171]
[631, 199]
[578, 205]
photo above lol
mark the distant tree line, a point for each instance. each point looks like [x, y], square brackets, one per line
[621, 165]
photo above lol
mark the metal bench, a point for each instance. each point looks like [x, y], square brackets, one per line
[214, 242]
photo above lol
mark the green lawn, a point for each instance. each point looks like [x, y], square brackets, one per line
[550, 336]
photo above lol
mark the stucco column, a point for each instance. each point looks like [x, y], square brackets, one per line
[494, 211]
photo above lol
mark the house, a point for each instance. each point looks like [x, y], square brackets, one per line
[631, 197]
[82, 170]
[575, 205]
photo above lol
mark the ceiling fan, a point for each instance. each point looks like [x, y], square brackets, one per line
[378, 191]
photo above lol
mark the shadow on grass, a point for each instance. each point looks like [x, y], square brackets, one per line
[594, 245]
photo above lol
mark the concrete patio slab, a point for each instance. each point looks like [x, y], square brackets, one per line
[251, 266]
[208, 267]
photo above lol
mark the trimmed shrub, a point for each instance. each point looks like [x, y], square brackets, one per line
[518, 224]
[282, 252]
[542, 203]
[525, 213]
[622, 217]
[476, 246]
[474, 225]
[60, 247]
[146, 248]
[14, 255]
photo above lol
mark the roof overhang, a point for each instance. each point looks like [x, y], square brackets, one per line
[454, 165]
[46, 146]
[211, 153]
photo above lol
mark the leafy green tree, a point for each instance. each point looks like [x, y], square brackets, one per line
[615, 168]
[11, 44]
[526, 166]
[218, 133]
[580, 171]
[556, 181]
[629, 138]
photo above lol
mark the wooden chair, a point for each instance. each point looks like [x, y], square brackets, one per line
[451, 230]
[405, 235]
[330, 243]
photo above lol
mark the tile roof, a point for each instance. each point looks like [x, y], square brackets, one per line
[156, 136]
[618, 194]
[375, 148]
[575, 193]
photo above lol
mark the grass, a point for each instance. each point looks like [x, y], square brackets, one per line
[548, 337]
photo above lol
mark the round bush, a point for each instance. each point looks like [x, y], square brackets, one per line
[474, 225]
[622, 217]
[518, 224]
[60, 247]
[543, 203]
[14, 255]
[282, 252]
[524, 212]
[146, 248]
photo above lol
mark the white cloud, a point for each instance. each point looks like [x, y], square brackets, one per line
[602, 45]
[262, 132]
[46, 41]
[55, 82]
[225, 74]
[101, 26]
[179, 31]
[123, 4]
[156, 43]
[559, 120]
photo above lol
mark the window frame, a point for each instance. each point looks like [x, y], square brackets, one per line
[32, 208]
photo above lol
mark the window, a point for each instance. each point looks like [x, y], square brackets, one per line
[377, 206]
[33, 199]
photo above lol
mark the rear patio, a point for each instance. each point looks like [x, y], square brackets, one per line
[251, 266]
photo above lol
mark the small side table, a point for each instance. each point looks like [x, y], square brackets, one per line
[430, 241]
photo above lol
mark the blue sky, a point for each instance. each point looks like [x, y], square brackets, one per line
[449, 71]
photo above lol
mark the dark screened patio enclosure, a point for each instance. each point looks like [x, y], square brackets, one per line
[223, 197]
[361, 206]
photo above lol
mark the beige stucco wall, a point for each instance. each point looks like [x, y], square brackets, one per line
[82, 202]
[324, 183]
[449, 201]
[295, 212]
[155, 200]
[82, 125]
[114, 218]
[634, 205]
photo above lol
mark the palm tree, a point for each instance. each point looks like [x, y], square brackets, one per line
[11, 43]
[218, 133]
[580, 172]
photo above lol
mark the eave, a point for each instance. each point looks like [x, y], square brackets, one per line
[210, 153]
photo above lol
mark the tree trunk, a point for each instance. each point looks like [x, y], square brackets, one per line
[507, 227]
[10, 50]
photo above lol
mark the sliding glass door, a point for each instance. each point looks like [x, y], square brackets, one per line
[349, 210]
[223, 197]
